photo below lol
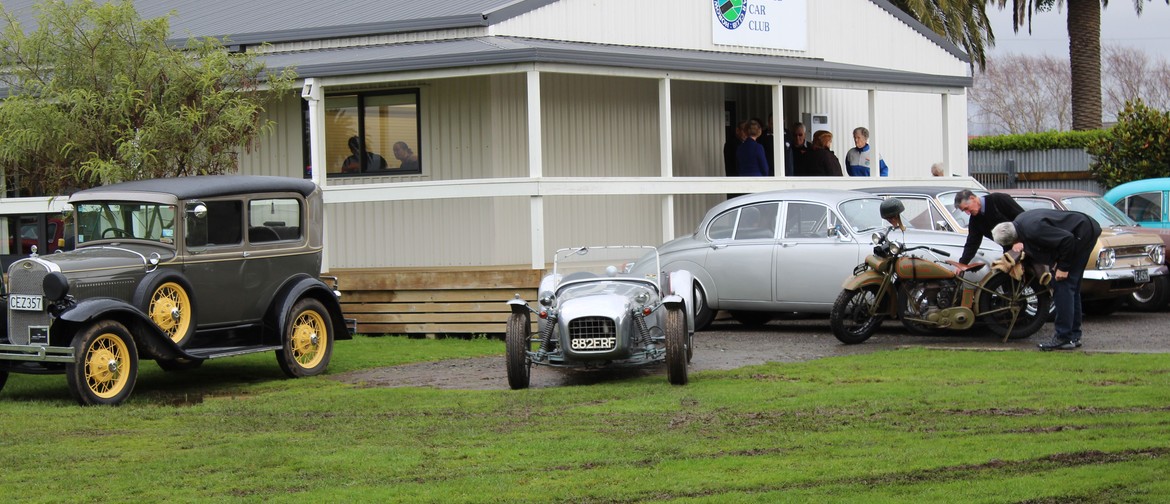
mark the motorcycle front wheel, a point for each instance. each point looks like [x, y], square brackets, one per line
[851, 317]
[1004, 297]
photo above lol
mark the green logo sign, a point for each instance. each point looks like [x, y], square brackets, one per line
[729, 12]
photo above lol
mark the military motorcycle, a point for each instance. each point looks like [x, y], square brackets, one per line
[927, 295]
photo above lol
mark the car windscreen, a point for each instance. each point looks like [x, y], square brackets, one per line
[120, 220]
[1094, 206]
[862, 214]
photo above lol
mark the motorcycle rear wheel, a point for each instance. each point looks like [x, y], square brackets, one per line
[1032, 301]
[850, 319]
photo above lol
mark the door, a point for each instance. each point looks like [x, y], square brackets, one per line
[740, 258]
[810, 265]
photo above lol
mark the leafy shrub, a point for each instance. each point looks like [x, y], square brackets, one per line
[1136, 148]
[1036, 141]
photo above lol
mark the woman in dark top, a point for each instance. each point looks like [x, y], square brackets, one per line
[820, 161]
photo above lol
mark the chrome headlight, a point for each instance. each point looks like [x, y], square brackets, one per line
[876, 238]
[1157, 253]
[546, 299]
[1106, 258]
[642, 298]
[895, 247]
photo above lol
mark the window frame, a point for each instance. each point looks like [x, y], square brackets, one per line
[361, 97]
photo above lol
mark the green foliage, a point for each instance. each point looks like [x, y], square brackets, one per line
[1036, 141]
[896, 426]
[98, 95]
[1138, 147]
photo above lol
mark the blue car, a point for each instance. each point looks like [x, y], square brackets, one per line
[1144, 201]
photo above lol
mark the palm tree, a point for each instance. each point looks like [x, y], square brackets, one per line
[1084, 50]
[963, 22]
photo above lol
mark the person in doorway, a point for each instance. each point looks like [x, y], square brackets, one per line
[353, 163]
[1064, 240]
[730, 147]
[820, 160]
[800, 147]
[408, 160]
[750, 159]
[985, 212]
[860, 158]
[936, 170]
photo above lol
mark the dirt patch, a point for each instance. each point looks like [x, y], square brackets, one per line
[729, 345]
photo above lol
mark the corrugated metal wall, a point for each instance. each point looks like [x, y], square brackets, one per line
[992, 169]
[839, 30]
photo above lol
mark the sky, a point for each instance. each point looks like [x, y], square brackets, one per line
[1120, 25]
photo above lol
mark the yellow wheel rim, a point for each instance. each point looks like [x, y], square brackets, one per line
[170, 310]
[106, 366]
[308, 340]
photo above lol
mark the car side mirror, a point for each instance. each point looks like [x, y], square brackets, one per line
[199, 211]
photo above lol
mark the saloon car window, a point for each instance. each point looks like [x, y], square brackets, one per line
[126, 220]
[722, 227]
[1035, 203]
[1101, 211]
[757, 222]
[862, 214]
[806, 220]
[274, 220]
[221, 226]
[1144, 207]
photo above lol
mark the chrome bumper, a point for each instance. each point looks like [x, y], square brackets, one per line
[36, 353]
[1123, 274]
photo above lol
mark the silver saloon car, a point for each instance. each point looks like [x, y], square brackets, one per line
[784, 251]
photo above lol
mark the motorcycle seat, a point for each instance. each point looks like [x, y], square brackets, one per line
[975, 266]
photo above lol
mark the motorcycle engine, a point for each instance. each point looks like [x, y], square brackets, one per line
[929, 296]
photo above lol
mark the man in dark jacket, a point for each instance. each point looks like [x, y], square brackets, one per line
[986, 212]
[1064, 240]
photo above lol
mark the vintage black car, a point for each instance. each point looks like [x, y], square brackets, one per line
[178, 271]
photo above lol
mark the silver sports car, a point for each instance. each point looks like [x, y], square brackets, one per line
[784, 251]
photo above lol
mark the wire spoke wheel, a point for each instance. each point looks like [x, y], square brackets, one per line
[170, 309]
[308, 340]
[107, 364]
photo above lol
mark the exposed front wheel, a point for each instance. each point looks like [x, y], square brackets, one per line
[854, 318]
[307, 343]
[1153, 296]
[517, 345]
[676, 346]
[704, 315]
[105, 367]
[1020, 307]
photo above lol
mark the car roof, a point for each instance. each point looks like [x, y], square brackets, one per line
[1137, 186]
[202, 186]
[919, 190]
[1049, 193]
[827, 196]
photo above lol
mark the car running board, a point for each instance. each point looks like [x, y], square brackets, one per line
[215, 353]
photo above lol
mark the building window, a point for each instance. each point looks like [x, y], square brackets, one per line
[370, 134]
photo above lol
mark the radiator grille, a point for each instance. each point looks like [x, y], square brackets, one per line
[25, 277]
[592, 327]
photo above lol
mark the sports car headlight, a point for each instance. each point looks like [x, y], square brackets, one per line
[546, 299]
[642, 298]
[1106, 258]
[1157, 253]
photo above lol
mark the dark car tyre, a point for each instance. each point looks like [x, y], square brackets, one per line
[676, 346]
[106, 364]
[307, 344]
[517, 345]
[704, 315]
[166, 298]
[850, 318]
[752, 318]
[1152, 296]
[1032, 303]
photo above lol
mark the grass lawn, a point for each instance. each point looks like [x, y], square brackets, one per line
[901, 426]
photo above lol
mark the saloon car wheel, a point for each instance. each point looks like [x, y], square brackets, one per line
[751, 318]
[1006, 297]
[518, 343]
[171, 310]
[105, 367]
[676, 346]
[308, 340]
[1153, 296]
[850, 318]
[704, 315]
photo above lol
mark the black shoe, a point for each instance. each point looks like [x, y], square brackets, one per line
[1076, 344]
[1057, 344]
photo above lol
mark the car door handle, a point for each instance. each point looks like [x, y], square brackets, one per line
[717, 246]
[247, 254]
[787, 244]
